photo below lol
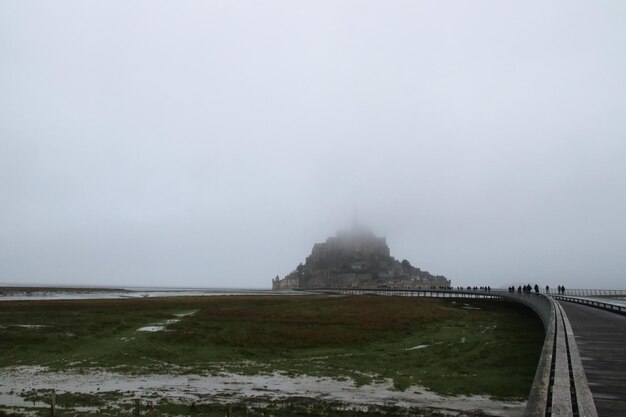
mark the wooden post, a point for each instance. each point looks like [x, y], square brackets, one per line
[53, 401]
[137, 412]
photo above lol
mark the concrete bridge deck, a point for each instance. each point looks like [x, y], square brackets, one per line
[601, 340]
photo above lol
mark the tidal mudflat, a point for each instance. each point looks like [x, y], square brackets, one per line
[313, 355]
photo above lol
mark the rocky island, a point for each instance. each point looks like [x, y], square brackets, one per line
[356, 258]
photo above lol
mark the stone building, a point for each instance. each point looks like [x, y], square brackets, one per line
[356, 258]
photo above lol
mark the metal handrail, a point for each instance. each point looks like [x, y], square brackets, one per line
[614, 308]
[593, 293]
[583, 292]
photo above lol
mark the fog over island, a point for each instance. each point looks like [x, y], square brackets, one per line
[213, 143]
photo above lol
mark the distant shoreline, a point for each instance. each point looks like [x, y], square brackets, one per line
[25, 293]
[36, 289]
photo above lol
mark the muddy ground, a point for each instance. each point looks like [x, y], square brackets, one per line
[27, 390]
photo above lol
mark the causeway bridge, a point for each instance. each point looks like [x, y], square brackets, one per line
[582, 369]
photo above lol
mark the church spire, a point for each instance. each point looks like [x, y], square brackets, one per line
[355, 219]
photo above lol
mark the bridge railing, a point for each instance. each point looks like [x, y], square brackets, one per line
[583, 292]
[615, 308]
[595, 293]
[405, 292]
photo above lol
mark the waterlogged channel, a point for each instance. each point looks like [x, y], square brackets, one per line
[18, 382]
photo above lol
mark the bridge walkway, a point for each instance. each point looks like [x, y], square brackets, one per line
[601, 340]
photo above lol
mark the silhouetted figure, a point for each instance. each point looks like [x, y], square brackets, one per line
[519, 289]
[563, 289]
[536, 288]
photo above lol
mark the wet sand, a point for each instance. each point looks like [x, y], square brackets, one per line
[229, 387]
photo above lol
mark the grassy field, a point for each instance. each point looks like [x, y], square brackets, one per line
[491, 348]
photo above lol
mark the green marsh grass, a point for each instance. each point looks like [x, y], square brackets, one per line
[491, 350]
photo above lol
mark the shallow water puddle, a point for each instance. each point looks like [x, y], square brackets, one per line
[14, 400]
[186, 314]
[417, 347]
[159, 327]
[151, 329]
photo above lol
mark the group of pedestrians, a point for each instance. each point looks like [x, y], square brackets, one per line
[560, 289]
[470, 288]
[527, 289]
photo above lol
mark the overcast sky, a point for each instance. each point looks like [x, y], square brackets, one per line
[212, 143]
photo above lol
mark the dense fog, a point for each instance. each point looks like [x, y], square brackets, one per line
[213, 143]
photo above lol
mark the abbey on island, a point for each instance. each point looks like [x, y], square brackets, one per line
[356, 258]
